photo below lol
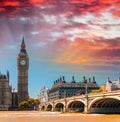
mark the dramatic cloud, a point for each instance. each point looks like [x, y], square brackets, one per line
[75, 32]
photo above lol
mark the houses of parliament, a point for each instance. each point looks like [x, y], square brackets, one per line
[10, 98]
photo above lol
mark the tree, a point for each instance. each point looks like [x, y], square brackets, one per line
[24, 104]
[31, 100]
[30, 103]
[36, 101]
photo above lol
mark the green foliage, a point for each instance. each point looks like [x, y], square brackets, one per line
[30, 103]
[31, 100]
[34, 101]
[24, 104]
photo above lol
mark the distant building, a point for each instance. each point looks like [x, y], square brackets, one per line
[43, 96]
[112, 85]
[5, 92]
[62, 89]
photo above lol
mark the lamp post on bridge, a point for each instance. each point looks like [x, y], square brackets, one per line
[86, 89]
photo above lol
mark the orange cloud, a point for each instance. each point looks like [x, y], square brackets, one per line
[76, 52]
[86, 52]
[11, 3]
[36, 1]
[67, 7]
[116, 13]
[70, 60]
[2, 9]
[108, 1]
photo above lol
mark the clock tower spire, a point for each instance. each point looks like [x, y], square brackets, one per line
[22, 66]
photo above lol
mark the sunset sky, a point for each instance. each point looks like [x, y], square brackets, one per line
[63, 38]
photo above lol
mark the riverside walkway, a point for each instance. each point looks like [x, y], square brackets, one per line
[37, 116]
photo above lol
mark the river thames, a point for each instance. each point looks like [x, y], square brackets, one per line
[37, 116]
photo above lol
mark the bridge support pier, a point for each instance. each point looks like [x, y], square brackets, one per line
[53, 109]
[64, 109]
[86, 104]
[65, 105]
[86, 110]
[53, 106]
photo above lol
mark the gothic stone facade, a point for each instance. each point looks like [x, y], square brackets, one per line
[5, 92]
[9, 98]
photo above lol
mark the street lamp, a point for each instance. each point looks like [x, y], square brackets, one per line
[86, 89]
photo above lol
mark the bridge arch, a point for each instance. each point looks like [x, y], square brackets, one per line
[76, 106]
[59, 107]
[105, 105]
[43, 108]
[49, 107]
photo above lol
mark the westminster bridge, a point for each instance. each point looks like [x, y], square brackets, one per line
[105, 102]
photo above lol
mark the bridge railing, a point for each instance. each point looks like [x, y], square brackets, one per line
[115, 92]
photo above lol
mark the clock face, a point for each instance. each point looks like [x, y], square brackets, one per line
[22, 62]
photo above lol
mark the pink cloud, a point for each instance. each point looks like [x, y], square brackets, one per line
[10, 3]
[86, 52]
[2, 9]
[68, 7]
[38, 16]
[116, 13]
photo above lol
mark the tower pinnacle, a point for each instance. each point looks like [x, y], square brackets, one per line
[23, 47]
[23, 43]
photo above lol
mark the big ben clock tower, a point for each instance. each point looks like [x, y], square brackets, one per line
[22, 65]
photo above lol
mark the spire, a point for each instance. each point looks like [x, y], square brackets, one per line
[84, 79]
[23, 43]
[119, 79]
[73, 80]
[8, 75]
[23, 47]
[63, 79]
[94, 79]
[108, 79]
[11, 87]
[60, 79]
